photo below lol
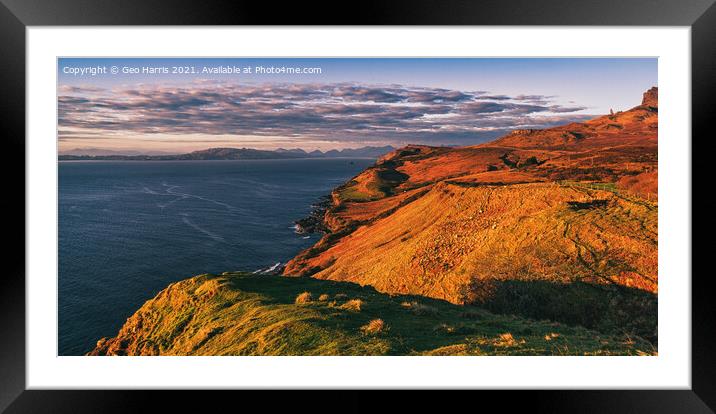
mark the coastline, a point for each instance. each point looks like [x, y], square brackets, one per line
[255, 229]
[490, 231]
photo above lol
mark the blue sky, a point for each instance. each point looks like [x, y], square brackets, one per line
[351, 102]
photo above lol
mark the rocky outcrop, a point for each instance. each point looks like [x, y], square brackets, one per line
[651, 98]
[315, 222]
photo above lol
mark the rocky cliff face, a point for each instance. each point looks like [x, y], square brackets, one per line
[651, 98]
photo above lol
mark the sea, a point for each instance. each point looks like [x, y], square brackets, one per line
[127, 229]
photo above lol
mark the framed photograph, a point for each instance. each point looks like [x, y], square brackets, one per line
[410, 197]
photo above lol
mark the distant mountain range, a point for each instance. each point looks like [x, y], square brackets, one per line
[236, 154]
[93, 152]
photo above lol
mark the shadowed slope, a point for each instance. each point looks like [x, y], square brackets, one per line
[242, 314]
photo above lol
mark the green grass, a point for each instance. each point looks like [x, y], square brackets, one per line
[353, 193]
[244, 314]
[375, 190]
[381, 186]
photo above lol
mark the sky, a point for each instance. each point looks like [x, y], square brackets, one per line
[175, 105]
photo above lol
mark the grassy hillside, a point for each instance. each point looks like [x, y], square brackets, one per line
[558, 223]
[463, 243]
[243, 314]
[458, 231]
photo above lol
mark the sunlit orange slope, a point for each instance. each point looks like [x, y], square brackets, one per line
[565, 204]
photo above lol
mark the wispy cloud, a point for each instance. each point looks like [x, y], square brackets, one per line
[312, 112]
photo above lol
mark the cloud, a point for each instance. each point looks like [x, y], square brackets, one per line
[566, 109]
[494, 97]
[437, 96]
[505, 108]
[330, 112]
[362, 94]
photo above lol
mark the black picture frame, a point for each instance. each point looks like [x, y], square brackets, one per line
[16, 15]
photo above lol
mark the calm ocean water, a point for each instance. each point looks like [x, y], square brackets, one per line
[127, 229]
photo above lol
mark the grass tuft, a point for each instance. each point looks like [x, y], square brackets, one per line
[354, 305]
[420, 309]
[374, 327]
[303, 298]
[550, 336]
[507, 340]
